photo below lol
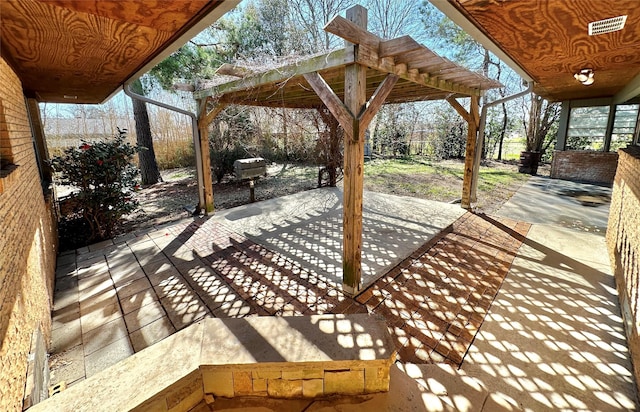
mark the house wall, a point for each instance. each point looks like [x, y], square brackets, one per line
[27, 244]
[623, 242]
[584, 166]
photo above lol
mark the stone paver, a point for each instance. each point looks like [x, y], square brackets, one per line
[151, 285]
[436, 300]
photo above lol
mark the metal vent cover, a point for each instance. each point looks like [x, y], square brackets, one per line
[607, 25]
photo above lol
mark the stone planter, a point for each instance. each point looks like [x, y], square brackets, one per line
[529, 162]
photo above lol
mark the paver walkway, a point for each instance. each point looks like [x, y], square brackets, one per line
[118, 297]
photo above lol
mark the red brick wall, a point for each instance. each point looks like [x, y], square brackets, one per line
[623, 242]
[27, 247]
[584, 166]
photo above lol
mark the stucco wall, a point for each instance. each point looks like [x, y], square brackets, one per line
[623, 242]
[584, 166]
[27, 245]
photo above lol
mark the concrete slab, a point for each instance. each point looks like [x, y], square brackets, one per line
[138, 300]
[67, 366]
[107, 356]
[554, 338]
[151, 333]
[103, 335]
[67, 335]
[579, 206]
[307, 228]
[144, 316]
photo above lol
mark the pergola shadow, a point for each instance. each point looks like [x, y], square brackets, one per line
[307, 228]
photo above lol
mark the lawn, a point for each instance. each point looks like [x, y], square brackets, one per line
[441, 180]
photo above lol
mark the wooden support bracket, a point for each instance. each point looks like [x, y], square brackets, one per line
[377, 100]
[332, 101]
[458, 107]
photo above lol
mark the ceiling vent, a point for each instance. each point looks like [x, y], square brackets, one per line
[607, 25]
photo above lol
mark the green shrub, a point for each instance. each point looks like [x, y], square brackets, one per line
[104, 175]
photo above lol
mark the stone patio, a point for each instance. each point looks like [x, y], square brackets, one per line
[461, 338]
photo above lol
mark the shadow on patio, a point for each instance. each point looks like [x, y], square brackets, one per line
[552, 339]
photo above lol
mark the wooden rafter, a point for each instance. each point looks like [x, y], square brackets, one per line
[336, 58]
[426, 75]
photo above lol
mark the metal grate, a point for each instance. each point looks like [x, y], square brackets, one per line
[607, 25]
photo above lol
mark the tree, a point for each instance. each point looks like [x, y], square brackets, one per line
[329, 146]
[149, 172]
[392, 18]
[190, 63]
[312, 15]
[541, 118]
[263, 29]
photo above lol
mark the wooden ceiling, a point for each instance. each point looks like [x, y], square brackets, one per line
[549, 40]
[86, 49]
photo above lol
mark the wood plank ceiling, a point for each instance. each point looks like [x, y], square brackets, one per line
[549, 40]
[88, 48]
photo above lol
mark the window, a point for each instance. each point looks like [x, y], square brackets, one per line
[623, 126]
[587, 128]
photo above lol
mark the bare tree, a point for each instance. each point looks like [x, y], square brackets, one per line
[312, 15]
[541, 117]
[391, 18]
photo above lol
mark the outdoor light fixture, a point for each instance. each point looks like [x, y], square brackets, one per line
[585, 76]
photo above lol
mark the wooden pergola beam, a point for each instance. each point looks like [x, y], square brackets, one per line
[377, 100]
[398, 46]
[336, 58]
[354, 127]
[351, 31]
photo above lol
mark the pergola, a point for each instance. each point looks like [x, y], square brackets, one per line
[353, 83]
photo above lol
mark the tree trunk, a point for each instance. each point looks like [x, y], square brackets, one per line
[503, 131]
[149, 172]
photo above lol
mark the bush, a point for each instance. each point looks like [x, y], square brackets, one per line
[104, 175]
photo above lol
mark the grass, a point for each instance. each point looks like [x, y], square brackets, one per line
[427, 179]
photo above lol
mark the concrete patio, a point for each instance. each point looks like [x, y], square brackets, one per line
[487, 312]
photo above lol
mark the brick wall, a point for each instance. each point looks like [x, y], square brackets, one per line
[27, 245]
[584, 166]
[623, 242]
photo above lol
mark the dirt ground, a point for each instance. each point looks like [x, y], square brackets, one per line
[171, 199]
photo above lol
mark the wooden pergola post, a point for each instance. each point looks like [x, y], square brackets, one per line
[354, 116]
[355, 84]
[470, 178]
[204, 120]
